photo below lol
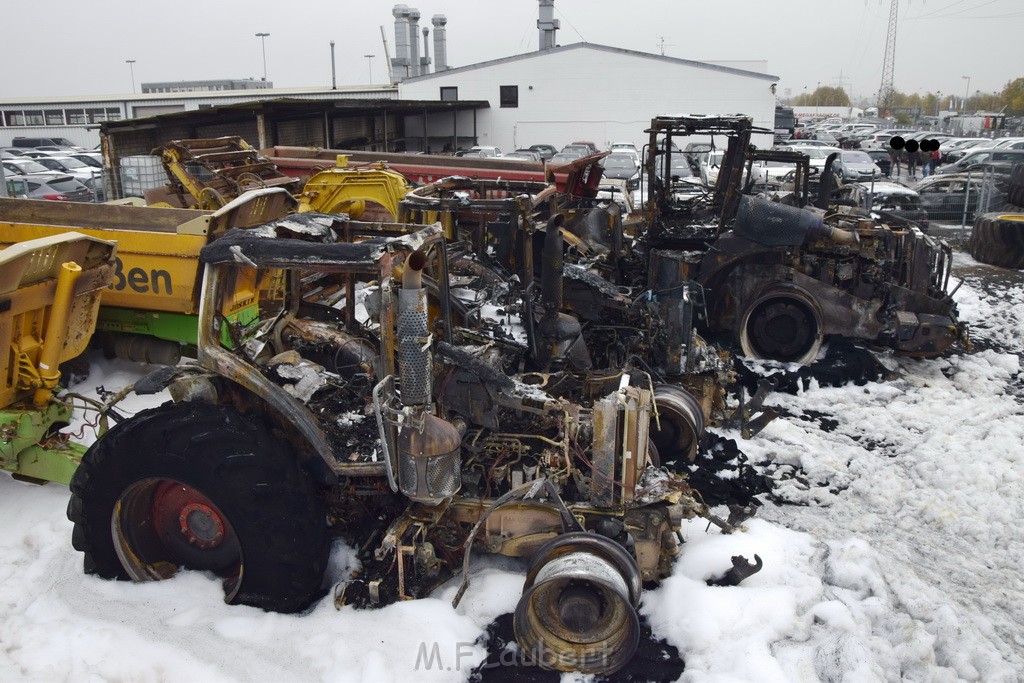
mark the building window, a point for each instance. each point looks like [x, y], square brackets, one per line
[96, 115]
[449, 94]
[113, 114]
[76, 117]
[54, 117]
[34, 117]
[509, 95]
[15, 118]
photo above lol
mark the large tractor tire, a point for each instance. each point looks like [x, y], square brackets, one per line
[197, 486]
[783, 324]
[1015, 191]
[998, 239]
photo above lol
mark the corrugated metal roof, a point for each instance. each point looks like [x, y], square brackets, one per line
[301, 107]
[603, 48]
[342, 92]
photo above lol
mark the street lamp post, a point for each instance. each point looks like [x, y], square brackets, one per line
[131, 68]
[963, 105]
[263, 40]
[369, 66]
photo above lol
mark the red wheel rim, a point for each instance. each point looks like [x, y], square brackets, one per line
[160, 525]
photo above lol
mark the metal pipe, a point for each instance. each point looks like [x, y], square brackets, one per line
[334, 73]
[56, 327]
[553, 267]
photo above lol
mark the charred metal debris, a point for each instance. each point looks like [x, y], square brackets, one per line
[508, 369]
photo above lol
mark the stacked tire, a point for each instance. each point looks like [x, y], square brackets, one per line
[1015, 195]
[998, 239]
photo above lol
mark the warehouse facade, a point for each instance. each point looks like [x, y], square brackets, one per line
[597, 93]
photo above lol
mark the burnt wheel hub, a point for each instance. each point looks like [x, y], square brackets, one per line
[191, 527]
[782, 329]
[201, 525]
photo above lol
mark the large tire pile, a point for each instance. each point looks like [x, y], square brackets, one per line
[998, 238]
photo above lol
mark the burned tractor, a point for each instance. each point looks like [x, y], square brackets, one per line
[779, 278]
[207, 173]
[560, 252]
[353, 393]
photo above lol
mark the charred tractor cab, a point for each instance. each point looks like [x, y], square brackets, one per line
[781, 276]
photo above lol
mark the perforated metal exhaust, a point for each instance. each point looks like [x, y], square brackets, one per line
[429, 448]
[413, 351]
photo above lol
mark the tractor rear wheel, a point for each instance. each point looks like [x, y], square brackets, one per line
[781, 325]
[197, 486]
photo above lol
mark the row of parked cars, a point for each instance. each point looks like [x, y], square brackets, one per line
[951, 194]
[54, 172]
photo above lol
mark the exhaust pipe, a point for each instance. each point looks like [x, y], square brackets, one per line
[413, 354]
[560, 333]
[429, 462]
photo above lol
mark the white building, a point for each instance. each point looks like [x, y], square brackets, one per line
[589, 92]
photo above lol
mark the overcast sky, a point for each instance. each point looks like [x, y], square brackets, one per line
[79, 48]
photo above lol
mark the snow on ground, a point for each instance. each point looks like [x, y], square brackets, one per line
[892, 553]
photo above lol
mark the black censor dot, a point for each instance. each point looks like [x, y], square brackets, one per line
[927, 145]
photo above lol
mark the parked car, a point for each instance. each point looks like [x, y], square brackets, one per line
[61, 188]
[16, 151]
[709, 164]
[582, 150]
[887, 199]
[1010, 143]
[545, 151]
[943, 196]
[17, 187]
[589, 145]
[956, 154]
[976, 157]
[826, 137]
[855, 165]
[693, 150]
[623, 146]
[684, 183]
[817, 154]
[99, 190]
[882, 160]
[631, 153]
[847, 131]
[69, 165]
[63, 143]
[91, 158]
[564, 158]
[26, 167]
[616, 191]
[800, 144]
[522, 155]
[622, 166]
[36, 154]
[483, 151]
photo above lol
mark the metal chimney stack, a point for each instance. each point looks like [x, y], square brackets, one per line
[440, 42]
[414, 41]
[547, 25]
[425, 59]
[400, 62]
